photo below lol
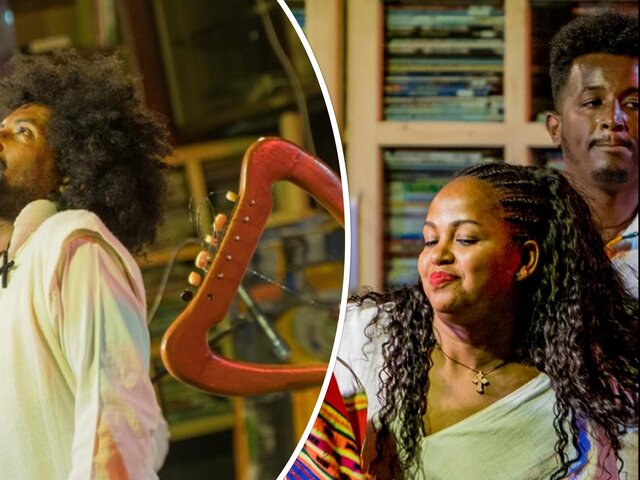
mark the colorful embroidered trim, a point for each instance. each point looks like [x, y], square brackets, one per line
[332, 450]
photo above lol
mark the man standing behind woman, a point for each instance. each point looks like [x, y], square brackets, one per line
[514, 356]
[594, 79]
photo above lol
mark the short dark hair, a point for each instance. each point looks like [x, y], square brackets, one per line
[607, 32]
[107, 145]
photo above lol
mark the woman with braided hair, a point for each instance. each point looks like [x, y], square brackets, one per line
[515, 354]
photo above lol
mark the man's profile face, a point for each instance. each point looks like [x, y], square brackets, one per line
[27, 167]
[596, 125]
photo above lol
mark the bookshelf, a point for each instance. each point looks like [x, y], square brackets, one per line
[325, 31]
[443, 62]
[515, 134]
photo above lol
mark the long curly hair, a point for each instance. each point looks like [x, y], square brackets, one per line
[608, 32]
[107, 146]
[576, 323]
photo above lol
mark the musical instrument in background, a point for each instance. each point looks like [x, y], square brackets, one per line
[185, 349]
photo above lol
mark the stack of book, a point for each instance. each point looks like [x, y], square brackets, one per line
[413, 177]
[444, 62]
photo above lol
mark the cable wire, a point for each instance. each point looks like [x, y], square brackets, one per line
[165, 276]
[296, 84]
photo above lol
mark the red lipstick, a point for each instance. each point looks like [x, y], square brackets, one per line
[438, 278]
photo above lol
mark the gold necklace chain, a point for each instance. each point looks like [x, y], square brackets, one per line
[480, 381]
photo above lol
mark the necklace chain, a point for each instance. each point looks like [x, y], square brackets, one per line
[480, 380]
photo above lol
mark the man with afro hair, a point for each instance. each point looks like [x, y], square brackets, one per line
[594, 82]
[81, 185]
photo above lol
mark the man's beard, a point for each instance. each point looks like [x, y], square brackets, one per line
[610, 176]
[13, 199]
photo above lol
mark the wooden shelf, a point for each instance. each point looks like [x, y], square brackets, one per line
[441, 134]
[210, 151]
[367, 135]
[535, 135]
[159, 258]
[459, 134]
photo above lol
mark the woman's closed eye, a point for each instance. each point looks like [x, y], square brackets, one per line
[464, 241]
[467, 241]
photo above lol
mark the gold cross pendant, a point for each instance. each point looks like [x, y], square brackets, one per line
[480, 382]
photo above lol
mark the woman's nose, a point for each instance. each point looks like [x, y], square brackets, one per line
[441, 253]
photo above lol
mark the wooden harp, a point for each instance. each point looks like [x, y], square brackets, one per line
[185, 350]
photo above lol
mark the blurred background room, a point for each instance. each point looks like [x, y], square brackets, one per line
[423, 88]
[224, 74]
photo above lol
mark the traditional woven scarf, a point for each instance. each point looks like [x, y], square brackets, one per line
[332, 450]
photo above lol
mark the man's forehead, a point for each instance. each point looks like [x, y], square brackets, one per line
[595, 71]
[29, 113]
[605, 65]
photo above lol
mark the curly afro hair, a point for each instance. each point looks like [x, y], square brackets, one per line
[108, 147]
[607, 32]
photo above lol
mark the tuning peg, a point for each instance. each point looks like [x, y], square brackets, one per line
[232, 197]
[219, 222]
[202, 260]
[194, 279]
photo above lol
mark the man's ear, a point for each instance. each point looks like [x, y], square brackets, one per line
[529, 256]
[553, 124]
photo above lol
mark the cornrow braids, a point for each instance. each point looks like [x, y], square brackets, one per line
[576, 323]
[577, 304]
[587, 349]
